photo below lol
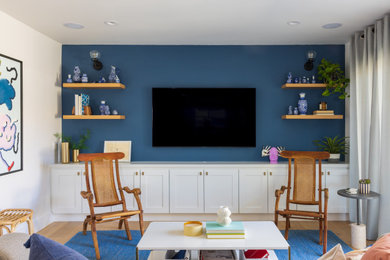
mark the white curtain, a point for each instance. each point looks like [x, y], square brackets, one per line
[368, 67]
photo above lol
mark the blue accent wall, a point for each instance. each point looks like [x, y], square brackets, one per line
[145, 67]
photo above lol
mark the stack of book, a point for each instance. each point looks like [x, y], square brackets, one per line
[234, 231]
[323, 112]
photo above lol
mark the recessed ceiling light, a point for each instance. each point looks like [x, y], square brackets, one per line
[332, 25]
[111, 23]
[74, 25]
[293, 23]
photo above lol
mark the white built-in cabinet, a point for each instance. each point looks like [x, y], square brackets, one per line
[220, 188]
[181, 188]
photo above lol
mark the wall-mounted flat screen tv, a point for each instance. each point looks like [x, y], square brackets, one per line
[204, 117]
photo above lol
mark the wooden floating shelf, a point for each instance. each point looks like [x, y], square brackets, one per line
[312, 117]
[94, 117]
[95, 85]
[304, 85]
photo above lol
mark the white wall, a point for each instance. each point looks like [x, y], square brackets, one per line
[41, 57]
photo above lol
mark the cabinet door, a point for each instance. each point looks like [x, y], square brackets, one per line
[130, 177]
[221, 189]
[186, 190]
[277, 177]
[253, 190]
[155, 190]
[65, 191]
[337, 178]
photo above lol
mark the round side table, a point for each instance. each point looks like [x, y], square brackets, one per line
[358, 231]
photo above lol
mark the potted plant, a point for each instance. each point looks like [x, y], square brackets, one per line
[364, 186]
[75, 146]
[335, 146]
[334, 78]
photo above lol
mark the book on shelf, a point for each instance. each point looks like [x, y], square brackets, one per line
[323, 112]
[256, 254]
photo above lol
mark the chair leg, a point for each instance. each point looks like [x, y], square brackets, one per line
[95, 240]
[320, 231]
[85, 226]
[141, 223]
[287, 227]
[127, 229]
[120, 224]
[30, 226]
[1, 231]
[276, 218]
[325, 242]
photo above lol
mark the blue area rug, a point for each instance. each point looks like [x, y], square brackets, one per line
[113, 245]
[304, 245]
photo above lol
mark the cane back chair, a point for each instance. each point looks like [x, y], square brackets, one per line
[304, 191]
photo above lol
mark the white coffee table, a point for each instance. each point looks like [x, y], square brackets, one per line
[169, 236]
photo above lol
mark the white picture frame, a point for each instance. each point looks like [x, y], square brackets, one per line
[119, 146]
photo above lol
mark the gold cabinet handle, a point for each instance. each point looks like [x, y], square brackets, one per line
[78, 173]
[200, 173]
[264, 173]
[328, 173]
[270, 173]
[84, 173]
[136, 173]
[207, 173]
[322, 173]
[143, 173]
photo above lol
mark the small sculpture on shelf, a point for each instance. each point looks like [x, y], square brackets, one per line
[69, 79]
[272, 152]
[102, 80]
[113, 77]
[304, 80]
[102, 107]
[115, 112]
[84, 78]
[290, 110]
[289, 78]
[76, 74]
[223, 216]
[296, 80]
[313, 79]
[296, 112]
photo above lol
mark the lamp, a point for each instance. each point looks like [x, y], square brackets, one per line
[95, 55]
[311, 55]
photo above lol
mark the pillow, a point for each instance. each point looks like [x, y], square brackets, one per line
[43, 248]
[380, 250]
[336, 253]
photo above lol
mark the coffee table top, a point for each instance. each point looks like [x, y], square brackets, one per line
[170, 236]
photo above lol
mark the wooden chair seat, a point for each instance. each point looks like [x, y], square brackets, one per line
[13, 217]
[300, 213]
[116, 214]
[104, 192]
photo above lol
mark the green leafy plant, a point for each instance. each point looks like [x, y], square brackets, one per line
[333, 145]
[75, 145]
[334, 78]
[364, 181]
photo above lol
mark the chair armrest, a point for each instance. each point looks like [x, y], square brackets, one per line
[277, 195]
[136, 191]
[86, 195]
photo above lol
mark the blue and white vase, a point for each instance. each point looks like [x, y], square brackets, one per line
[290, 110]
[76, 74]
[69, 79]
[289, 78]
[302, 104]
[84, 78]
[296, 111]
[102, 107]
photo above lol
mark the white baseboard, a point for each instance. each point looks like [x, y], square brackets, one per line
[199, 217]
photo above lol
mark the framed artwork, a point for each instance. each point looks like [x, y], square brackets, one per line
[119, 146]
[11, 86]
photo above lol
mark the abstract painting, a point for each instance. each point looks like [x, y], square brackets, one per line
[10, 115]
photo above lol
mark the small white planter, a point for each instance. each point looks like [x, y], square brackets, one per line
[334, 157]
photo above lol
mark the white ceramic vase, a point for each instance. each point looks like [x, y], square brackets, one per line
[223, 216]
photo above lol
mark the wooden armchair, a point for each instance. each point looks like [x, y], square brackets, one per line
[105, 193]
[304, 191]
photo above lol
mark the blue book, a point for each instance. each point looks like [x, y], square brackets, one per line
[234, 227]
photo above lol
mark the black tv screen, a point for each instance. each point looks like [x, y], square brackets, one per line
[205, 117]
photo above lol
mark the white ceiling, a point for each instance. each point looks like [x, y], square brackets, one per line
[221, 22]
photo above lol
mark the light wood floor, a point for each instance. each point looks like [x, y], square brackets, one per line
[63, 231]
